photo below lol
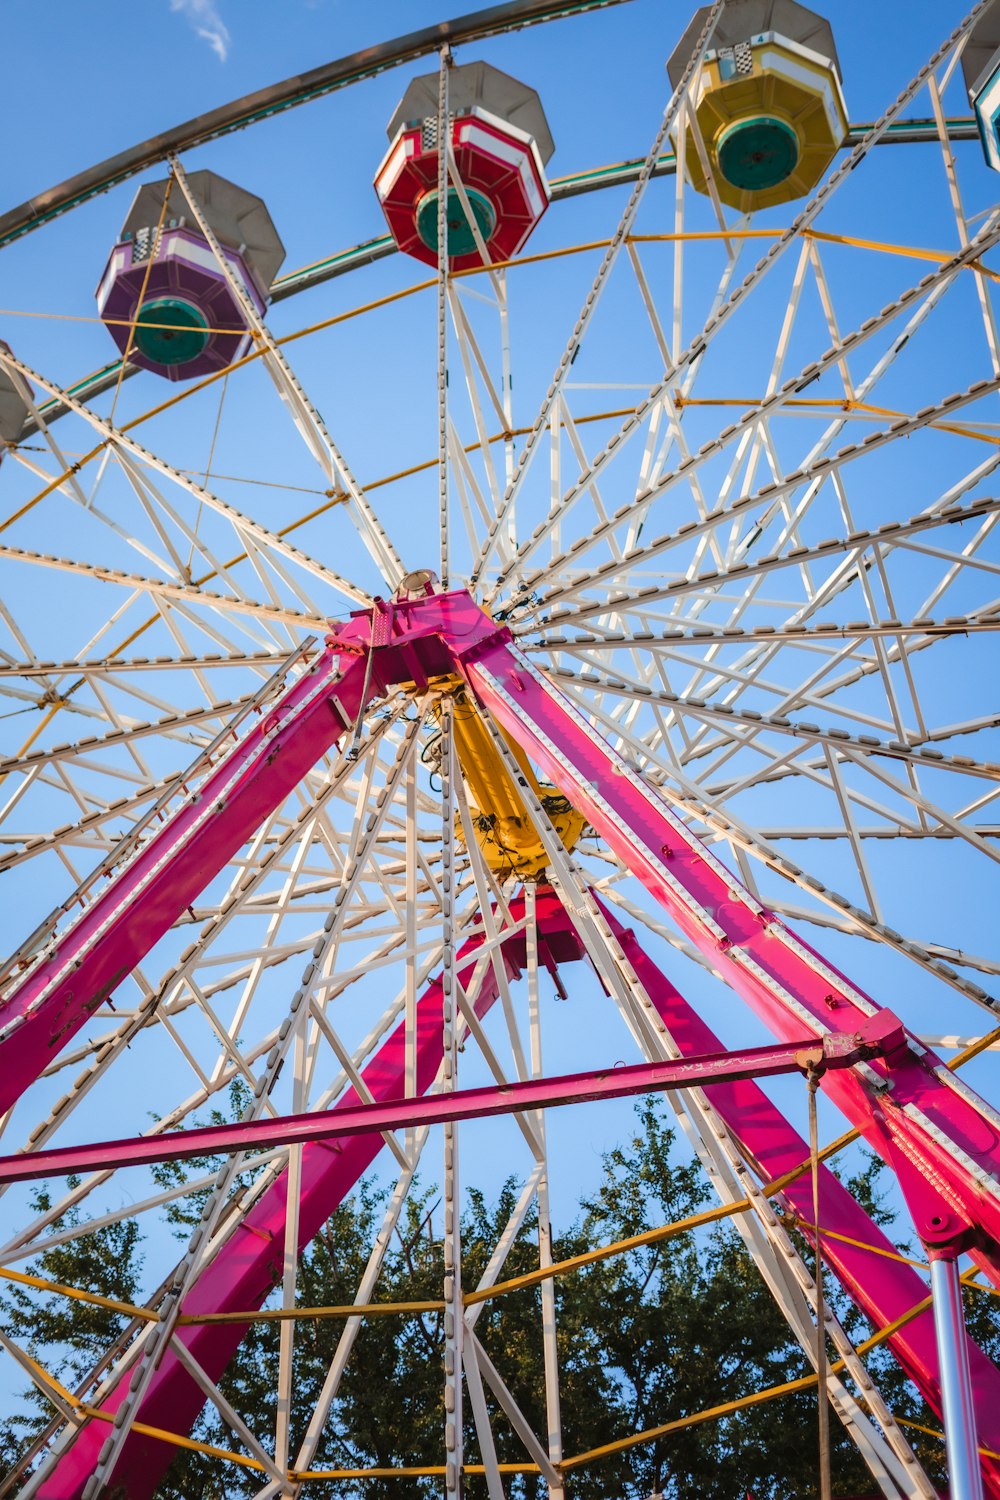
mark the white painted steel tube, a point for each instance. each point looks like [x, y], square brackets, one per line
[964, 1477]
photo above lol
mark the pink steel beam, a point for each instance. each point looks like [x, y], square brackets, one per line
[834, 1051]
[248, 1266]
[930, 1119]
[940, 1137]
[951, 1137]
[44, 1006]
[244, 1271]
[881, 1286]
[42, 1009]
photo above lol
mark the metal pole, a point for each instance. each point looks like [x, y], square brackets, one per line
[454, 1313]
[444, 129]
[964, 1477]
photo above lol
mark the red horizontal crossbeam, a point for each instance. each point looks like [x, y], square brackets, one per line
[833, 1051]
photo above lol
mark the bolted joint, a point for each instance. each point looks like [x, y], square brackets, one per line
[957, 1236]
[885, 1033]
[501, 636]
[944, 1231]
[881, 1035]
[812, 1060]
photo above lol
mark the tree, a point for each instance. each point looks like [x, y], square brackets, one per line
[644, 1338]
[107, 1262]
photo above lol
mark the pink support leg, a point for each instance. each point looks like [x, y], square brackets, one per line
[909, 1105]
[248, 1267]
[45, 1007]
[883, 1288]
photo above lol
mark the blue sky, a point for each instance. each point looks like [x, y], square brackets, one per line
[93, 78]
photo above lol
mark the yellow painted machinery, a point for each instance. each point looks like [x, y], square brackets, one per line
[768, 103]
[502, 827]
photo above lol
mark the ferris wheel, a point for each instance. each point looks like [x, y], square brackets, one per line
[544, 607]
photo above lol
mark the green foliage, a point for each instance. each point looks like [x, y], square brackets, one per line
[182, 1214]
[644, 1339]
[67, 1337]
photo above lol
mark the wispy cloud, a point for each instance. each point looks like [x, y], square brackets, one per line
[204, 16]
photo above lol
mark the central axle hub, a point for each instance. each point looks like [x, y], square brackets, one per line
[407, 650]
[503, 827]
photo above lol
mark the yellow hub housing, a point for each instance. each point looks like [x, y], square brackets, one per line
[503, 828]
